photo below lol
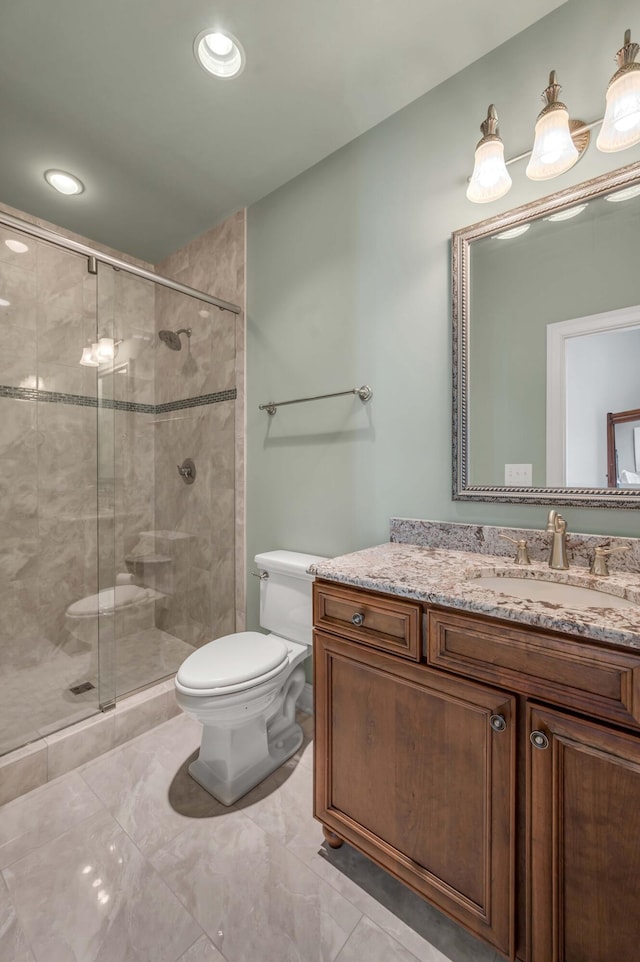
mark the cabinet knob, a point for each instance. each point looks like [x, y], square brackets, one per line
[539, 739]
[357, 619]
[498, 723]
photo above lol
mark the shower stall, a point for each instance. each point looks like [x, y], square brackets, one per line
[114, 565]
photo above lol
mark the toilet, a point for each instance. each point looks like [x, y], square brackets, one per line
[244, 687]
[131, 604]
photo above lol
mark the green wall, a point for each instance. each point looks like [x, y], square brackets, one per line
[349, 283]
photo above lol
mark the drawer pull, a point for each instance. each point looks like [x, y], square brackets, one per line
[357, 619]
[539, 739]
[498, 723]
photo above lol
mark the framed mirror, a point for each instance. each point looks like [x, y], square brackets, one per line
[546, 345]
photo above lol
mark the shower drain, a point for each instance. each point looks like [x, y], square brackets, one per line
[80, 689]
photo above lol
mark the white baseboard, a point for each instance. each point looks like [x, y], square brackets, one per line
[305, 701]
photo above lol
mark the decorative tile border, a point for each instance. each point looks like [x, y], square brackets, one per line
[193, 402]
[82, 400]
[135, 406]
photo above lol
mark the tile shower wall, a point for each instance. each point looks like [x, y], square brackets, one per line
[208, 575]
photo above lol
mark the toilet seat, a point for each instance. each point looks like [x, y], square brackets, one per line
[232, 663]
[108, 600]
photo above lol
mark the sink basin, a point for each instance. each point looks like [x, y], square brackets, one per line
[553, 592]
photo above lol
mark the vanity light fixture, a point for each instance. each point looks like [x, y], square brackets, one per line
[219, 53]
[560, 141]
[16, 246]
[490, 179]
[63, 182]
[554, 152]
[621, 124]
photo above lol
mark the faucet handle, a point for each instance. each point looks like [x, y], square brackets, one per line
[522, 554]
[599, 564]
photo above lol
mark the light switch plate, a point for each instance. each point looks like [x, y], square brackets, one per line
[518, 475]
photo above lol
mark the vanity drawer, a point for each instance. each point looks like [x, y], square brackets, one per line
[386, 623]
[599, 681]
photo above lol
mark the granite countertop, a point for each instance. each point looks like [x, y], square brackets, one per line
[443, 576]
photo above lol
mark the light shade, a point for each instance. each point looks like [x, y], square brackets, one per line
[618, 196]
[513, 232]
[101, 351]
[567, 214]
[621, 125]
[490, 179]
[554, 151]
[106, 349]
[87, 359]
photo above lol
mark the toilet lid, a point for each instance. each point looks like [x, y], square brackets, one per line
[231, 660]
[108, 599]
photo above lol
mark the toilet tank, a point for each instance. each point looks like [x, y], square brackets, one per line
[285, 596]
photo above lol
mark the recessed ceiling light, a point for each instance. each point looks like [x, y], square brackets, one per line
[567, 214]
[219, 53]
[4, 303]
[63, 182]
[513, 232]
[625, 194]
[16, 246]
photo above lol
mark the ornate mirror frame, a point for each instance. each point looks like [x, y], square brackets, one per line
[461, 241]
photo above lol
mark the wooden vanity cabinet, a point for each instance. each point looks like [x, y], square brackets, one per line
[583, 841]
[527, 832]
[417, 771]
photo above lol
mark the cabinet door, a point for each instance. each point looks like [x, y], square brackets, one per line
[583, 827]
[410, 771]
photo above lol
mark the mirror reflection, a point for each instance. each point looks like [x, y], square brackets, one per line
[623, 449]
[548, 345]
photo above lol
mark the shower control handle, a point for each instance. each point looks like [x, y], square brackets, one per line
[187, 471]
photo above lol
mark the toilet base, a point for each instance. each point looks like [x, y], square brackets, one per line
[229, 792]
[234, 758]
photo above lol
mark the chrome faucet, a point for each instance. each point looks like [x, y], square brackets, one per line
[557, 526]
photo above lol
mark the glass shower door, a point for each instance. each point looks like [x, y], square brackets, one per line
[133, 555]
[48, 492]
[166, 398]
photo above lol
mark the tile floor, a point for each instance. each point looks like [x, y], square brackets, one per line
[128, 859]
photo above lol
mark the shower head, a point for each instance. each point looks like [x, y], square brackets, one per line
[172, 338]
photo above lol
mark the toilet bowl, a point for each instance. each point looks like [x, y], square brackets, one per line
[244, 687]
[131, 605]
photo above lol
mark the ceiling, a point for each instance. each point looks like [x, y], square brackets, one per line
[111, 92]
